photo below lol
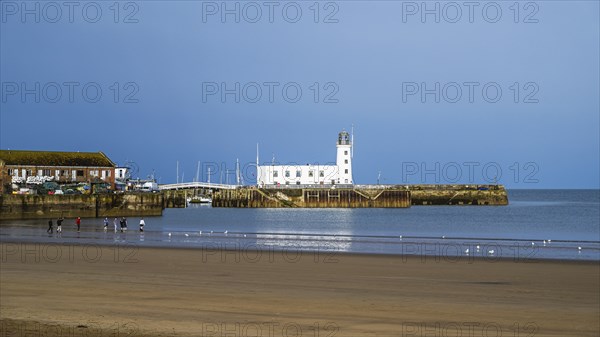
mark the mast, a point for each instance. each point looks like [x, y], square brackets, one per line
[257, 167]
[178, 171]
[198, 172]
[237, 170]
[352, 142]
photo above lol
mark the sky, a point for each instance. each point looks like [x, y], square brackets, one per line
[502, 91]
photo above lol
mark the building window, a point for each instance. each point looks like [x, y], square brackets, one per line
[346, 171]
[11, 172]
[275, 174]
[79, 173]
[28, 172]
[345, 161]
[108, 173]
[47, 173]
[346, 153]
[298, 173]
[321, 173]
[297, 183]
[311, 173]
[287, 174]
[346, 181]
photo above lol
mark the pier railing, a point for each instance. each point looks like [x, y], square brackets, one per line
[192, 185]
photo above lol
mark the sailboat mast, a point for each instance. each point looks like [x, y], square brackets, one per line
[198, 172]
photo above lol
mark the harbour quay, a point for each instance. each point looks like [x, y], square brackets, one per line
[361, 196]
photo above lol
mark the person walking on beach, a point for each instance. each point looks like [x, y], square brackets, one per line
[105, 224]
[59, 225]
[115, 224]
[125, 224]
[78, 223]
[142, 223]
[50, 228]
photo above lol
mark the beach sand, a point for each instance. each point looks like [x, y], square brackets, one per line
[61, 290]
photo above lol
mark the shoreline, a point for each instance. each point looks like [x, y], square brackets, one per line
[188, 292]
[274, 250]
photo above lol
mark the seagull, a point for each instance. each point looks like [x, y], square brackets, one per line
[244, 235]
[400, 237]
[225, 232]
[491, 252]
[477, 247]
[533, 243]
[544, 242]
[578, 248]
[186, 234]
[549, 241]
[443, 236]
[200, 232]
[169, 234]
[211, 232]
[467, 251]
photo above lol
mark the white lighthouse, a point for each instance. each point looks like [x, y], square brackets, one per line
[344, 158]
[310, 174]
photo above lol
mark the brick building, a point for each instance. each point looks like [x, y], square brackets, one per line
[61, 167]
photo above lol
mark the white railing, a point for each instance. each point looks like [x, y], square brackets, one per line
[196, 185]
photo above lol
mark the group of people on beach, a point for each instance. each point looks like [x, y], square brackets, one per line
[122, 223]
[59, 222]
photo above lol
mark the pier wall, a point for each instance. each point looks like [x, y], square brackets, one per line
[311, 198]
[177, 198]
[14, 206]
[362, 196]
[484, 195]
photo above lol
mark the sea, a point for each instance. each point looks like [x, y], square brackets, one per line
[537, 224]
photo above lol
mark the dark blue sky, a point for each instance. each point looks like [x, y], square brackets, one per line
[370, 60]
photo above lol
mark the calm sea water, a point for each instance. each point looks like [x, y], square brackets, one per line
[550, 224]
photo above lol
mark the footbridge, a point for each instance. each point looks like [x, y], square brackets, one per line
[196, 185]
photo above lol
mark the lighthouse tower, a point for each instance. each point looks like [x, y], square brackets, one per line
[344, 158]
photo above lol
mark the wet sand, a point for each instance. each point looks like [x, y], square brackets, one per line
[60, 290]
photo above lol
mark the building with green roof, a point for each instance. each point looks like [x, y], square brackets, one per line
[20, 166]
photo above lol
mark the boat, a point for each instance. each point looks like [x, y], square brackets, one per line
[199, 199]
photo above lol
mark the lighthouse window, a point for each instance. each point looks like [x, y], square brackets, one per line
[275, 174]
[298, 174]
[321, 173]
[346, 171]
[345, 161]
[287, 174]
[311, 173]
[346, 153]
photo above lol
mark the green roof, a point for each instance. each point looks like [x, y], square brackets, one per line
[52, 158]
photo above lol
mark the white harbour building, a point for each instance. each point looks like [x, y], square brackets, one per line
[311, 174]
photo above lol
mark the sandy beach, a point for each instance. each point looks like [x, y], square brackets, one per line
[62, 290]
